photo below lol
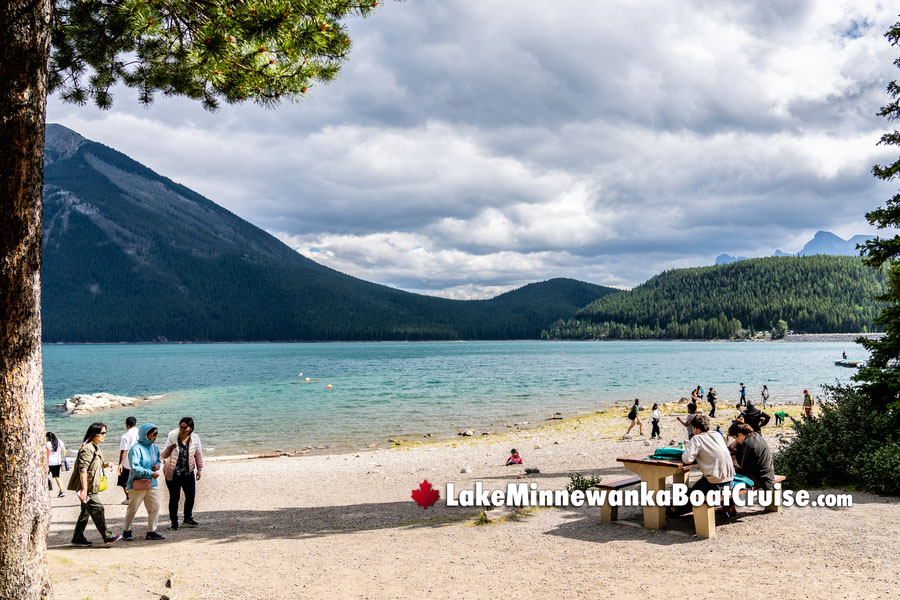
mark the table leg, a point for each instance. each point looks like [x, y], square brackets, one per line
[655, 516]
[679, 477]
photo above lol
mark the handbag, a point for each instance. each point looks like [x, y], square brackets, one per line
[140, 484]
[102, 483]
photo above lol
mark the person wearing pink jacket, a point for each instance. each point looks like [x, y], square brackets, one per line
[184, 462]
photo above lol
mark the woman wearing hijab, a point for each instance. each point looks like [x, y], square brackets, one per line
[145, 464]
[86, 478]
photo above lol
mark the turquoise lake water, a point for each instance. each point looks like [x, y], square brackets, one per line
[249, 397]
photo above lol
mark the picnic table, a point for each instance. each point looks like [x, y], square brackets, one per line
[653, 472]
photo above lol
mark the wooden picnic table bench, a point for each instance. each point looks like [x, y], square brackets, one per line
[705, 515]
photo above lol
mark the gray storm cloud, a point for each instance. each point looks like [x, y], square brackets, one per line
[468, 148]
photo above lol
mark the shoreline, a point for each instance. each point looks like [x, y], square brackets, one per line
[794, 337]
[610, 419]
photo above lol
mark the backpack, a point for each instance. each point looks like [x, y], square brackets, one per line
[632, 415]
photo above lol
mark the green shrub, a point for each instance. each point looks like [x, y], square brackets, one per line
[580, 482]
[850, 443]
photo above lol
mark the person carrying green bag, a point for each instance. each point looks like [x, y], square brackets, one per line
[87, 479]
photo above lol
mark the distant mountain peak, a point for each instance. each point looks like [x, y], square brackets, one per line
[60, 143]
[823, 242]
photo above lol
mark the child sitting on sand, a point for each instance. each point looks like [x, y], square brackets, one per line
[514, 459]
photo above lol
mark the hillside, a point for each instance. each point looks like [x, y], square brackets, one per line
[131, 256]
[813, 294]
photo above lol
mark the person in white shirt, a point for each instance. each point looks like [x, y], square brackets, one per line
[56, 457]
[708, 450]
[129, 439]
[655, 416]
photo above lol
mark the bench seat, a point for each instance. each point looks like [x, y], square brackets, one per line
[609, 513]
[705, 515]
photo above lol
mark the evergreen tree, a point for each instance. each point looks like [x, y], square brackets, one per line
[258, 50]
[880, 378]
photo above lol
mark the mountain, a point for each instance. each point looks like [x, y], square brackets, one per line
[813, 294]
[727, 259]
[824, 242]
[131, 256]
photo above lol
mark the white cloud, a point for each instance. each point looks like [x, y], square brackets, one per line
[471, 148]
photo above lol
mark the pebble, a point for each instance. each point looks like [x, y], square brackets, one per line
[466, 470]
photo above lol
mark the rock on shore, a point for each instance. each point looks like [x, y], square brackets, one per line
[88, 403]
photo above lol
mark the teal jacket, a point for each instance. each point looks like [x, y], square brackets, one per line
[143, 456]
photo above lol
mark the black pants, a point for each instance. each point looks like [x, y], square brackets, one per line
[655, 431]
[704, 485]
[712, 409]
[188, 483]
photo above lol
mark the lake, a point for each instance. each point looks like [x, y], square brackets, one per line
[251, 397]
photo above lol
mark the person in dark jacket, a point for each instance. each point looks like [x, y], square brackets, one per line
[754, 417]
[753, 458]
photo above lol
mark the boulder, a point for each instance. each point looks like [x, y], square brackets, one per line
[87, 403]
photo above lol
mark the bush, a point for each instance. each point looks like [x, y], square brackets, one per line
[849, 444]
[580, 482]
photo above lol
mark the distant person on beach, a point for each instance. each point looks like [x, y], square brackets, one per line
[845, 355]
[689, 419]
[807, 404]
[711, 397]
[86, 479]
[56, 458]
[700, 392]
[779, 418]
[695, 395]
[655, 416]
[754, 417]
[128, 439]
[184, 462]
[514, 458]
[765, 396]
[708, 450]
[635, 417]
[145, 464]
[743, 399]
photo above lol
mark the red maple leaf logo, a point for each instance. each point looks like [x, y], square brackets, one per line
[425, 496]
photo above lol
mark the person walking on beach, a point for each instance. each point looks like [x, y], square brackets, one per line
[56, 457]
[743, 399]
[86, 479]
[711, 397]
[128, 439]
[145, 463]
[635, 417]
[765, 396]
[184, 461]
[807, 404]
[655, 416]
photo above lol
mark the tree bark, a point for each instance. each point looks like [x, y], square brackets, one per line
[24, 499]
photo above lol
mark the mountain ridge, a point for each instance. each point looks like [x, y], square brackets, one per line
[130, 255]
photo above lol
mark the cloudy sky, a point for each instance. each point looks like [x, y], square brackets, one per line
[473, 146]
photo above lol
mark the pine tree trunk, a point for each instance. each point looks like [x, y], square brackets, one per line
[24, 499]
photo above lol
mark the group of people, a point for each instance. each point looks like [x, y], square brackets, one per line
[140, 465]
[747, 411]
[747, 455]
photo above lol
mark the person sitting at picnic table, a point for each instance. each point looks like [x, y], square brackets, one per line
[514, 458]
[754, 417]
[753, 459]
[708, 450]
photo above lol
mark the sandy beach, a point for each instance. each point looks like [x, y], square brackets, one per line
[344, 526]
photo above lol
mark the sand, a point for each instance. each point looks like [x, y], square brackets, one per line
[344, 526]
